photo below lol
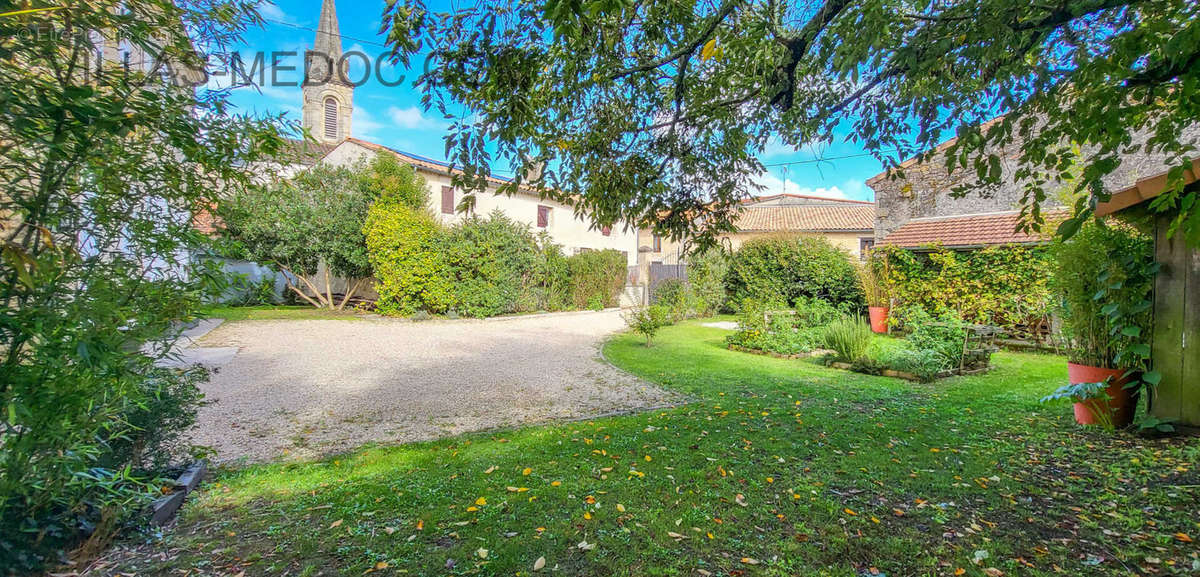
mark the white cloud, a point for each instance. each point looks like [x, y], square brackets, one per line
[413, 118]
[363, 124]
[271, 11]
[772, 184]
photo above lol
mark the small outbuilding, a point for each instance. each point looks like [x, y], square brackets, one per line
[1176, 346]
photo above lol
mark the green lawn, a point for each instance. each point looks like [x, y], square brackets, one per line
[779, 467]
[276, 313]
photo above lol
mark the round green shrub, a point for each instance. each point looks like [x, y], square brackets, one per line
[785, 268]
[488, 260]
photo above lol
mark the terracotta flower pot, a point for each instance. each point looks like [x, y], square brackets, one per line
[879, 319]
[1122, 402]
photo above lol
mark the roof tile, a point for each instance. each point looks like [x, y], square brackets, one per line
[801, 218]
[966, 231]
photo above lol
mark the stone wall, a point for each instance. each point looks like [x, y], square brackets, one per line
[925, 190]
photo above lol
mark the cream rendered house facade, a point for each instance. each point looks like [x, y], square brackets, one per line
[575, 233]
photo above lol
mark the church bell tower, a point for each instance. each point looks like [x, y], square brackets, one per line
[328, 94]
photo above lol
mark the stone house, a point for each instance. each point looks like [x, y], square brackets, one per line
[919, 208]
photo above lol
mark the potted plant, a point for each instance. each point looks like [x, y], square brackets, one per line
[1103, 277]
[873, 276]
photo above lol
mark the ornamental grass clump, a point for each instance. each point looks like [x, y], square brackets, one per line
[848, 337]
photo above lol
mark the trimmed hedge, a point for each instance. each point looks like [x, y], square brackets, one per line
[596, 278]
[784, 269]
[480, 267]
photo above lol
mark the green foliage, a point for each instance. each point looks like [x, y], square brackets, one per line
[488, 261]
[549, 285]
[1104, 279]
[646, 321]
[787, 332]
[943, 335]
[1005, 286]
[848, 337]
[316, 217]
[411, 272]
[677, 296]
[873, 275]
[386, 176]
[925, 364]
[480, 267]
[706, 278]
[249, 294]
[786, 268]
[102, 177]
[597, 278]
[701, 88]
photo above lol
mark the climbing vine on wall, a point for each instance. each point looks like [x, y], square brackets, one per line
[1003, 285]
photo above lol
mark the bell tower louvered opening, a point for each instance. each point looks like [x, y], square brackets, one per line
[331, 118]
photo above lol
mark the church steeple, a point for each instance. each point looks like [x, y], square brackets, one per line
[328, 94]
[329, 40]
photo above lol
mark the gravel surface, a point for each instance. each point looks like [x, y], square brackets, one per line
[301, 389]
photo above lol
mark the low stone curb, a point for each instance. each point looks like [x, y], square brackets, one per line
[163, 509]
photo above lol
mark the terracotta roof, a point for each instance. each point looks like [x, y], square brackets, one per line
[967, 231]
[815, 217]
[423, 163]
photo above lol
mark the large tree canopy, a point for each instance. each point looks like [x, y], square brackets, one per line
[654, 111]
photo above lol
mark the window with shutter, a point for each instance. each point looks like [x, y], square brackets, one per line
[331, 118]
[657, 243]
[543, 216]
[447, 200]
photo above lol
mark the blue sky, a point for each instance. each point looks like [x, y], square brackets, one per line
[393, 115]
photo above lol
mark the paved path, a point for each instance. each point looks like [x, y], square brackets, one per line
[299, 389]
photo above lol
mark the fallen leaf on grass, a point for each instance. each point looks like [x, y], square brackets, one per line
[1183, 537]
[481, 553]
[993, 572]
[335, 524]
[539, 564]
[490, 470]
[749, 560]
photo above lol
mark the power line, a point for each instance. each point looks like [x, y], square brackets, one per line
[822, 159]
[314, 31]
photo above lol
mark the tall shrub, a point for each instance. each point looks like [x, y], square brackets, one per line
[488, 261]
[102, 175]
[548, 287]
[784, 268]
[1103, 278]
[597, 278]
[706, 278]
[296, 225]
[404, 246]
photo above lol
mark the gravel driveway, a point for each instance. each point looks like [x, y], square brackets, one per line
[299, 389]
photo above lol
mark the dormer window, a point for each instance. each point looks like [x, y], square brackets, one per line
[331, 118]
